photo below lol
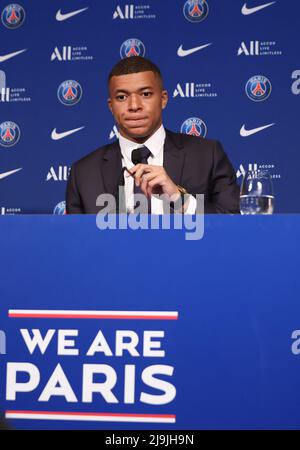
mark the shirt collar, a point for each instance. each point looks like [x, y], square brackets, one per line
[154, 143]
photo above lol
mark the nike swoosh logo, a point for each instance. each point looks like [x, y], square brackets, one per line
[11, 55]
[56, 136]
[246, 133]
[246, 11]
[182, 53]
[6, 174]
[60, 16]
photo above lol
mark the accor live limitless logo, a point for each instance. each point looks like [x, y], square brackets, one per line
[258, 48]
[4, 211]
[254, 167]
[189, 90]
[11, 94]
[71, 53]
[131, 11]
[296, 83]
[59, 173]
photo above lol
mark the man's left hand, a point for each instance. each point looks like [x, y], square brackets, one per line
[154, 180]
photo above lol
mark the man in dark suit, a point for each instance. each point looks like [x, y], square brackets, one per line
[161, 162]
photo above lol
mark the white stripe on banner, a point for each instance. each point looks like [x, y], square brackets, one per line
[64, 314]
[99, 417]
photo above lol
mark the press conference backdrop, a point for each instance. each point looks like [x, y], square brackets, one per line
[231, 68]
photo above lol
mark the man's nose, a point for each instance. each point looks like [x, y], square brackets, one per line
[134, 103]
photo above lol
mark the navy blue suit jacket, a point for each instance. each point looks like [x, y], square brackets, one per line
[199, 165]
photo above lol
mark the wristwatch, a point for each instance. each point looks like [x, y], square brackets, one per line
[177, 206]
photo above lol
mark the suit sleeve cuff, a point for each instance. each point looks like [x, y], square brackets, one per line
[192, 206]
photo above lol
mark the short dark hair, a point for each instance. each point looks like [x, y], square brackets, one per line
[134, 64]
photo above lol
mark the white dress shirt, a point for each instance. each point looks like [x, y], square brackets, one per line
[155, 144]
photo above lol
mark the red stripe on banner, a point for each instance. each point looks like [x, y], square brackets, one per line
[64, 413]
[79, 316]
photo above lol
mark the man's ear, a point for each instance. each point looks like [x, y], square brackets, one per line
[109, 103]
[164, 99]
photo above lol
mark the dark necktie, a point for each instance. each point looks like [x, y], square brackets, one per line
[140, 156]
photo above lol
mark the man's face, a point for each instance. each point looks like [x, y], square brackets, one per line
[136, 101]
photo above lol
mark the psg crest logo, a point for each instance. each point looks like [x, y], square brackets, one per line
[60, 209]
[195, 10]
[194, 127]
[9, 134]
[258, 88]
[132, 47]
[69, 92]
[13, 16]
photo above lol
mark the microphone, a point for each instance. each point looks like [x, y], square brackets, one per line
[140, 156]
[136, 156]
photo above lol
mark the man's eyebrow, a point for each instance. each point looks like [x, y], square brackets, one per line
[119, 90]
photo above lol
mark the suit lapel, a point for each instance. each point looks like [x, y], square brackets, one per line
[111, 168]
[173, 156]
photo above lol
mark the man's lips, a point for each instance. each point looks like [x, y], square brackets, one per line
[135, 118]
[138, 121]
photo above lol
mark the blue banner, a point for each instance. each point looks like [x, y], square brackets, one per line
[231, 69]
[202, 335]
